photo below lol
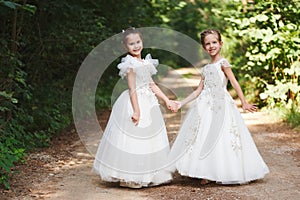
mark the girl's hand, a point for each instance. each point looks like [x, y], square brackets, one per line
[135, 118]
[249, 107]
[178, 106]
[170, 105]
[175, 105]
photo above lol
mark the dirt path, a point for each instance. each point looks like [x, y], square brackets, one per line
[63, 171]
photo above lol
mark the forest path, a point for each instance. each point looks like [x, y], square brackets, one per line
[63, 171]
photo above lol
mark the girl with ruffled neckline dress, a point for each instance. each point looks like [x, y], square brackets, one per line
[134, 147]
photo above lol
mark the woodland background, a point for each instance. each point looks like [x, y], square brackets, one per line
[43, 43]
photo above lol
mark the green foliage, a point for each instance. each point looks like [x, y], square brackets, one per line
[267, 48]
[14, 5]
[191, 18]
[8, 157]
[270, 32]
[290, 114]
[42, 47]
[43, 44]
[293, 116]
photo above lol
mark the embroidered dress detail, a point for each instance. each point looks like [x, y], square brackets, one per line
[213, 142]
[236, 142]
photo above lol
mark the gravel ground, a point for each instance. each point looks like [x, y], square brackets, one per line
[63, 171]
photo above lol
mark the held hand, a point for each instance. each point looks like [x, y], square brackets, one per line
[135, 118]
[249, 107]
[174, 105]
[178, 106]
[170, 105]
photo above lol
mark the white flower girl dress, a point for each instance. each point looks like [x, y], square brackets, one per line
[213, 142]
[129, 153]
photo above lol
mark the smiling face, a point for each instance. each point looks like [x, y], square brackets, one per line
[212, 44]
[134, 44]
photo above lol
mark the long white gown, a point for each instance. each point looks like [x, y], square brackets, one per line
[135, 153]
[213, 142]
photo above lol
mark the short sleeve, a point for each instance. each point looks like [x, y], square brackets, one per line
[151, 60]
[130, 62]
[225, 63]
[153, 64]
[126, 64]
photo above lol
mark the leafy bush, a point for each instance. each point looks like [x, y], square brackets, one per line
[41, 51]
[8, 157]
[270, 32]
[293, 116]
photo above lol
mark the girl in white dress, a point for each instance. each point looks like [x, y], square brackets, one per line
[135, 146]
[214, 143]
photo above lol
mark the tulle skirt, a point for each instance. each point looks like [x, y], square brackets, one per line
[215, 144]
[134, 153]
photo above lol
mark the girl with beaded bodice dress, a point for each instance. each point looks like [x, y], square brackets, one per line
[134, 147]
[214, 143]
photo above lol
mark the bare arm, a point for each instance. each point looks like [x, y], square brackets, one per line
[131, 80]
[245, 105]
[157, 91]
[194, 94]
[191, 97]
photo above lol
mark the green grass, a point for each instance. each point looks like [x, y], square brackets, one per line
[293, 117]
[289, 115]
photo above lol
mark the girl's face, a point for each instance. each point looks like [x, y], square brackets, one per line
[212, 45]
[134, 44]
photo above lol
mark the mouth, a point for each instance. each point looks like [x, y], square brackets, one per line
[136, 50]
[212, 50]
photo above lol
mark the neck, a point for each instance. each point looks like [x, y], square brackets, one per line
[215, 58]
[139, 57]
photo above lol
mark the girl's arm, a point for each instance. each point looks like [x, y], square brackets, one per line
[194, 94]
[157, 91]
[245, 105]
[131, 78]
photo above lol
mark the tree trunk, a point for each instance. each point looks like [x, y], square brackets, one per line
[13, 47]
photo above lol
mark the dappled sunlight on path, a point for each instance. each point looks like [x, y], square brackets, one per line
[64, 171]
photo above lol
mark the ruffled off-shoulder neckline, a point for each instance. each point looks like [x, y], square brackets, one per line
[129, 61]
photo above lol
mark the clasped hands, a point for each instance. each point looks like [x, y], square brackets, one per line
[174, 106]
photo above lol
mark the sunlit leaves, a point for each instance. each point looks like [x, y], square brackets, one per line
[9, 4]
[13, 5]
[273, 53]
[294, 70]
[262, 18]
[272, 32]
